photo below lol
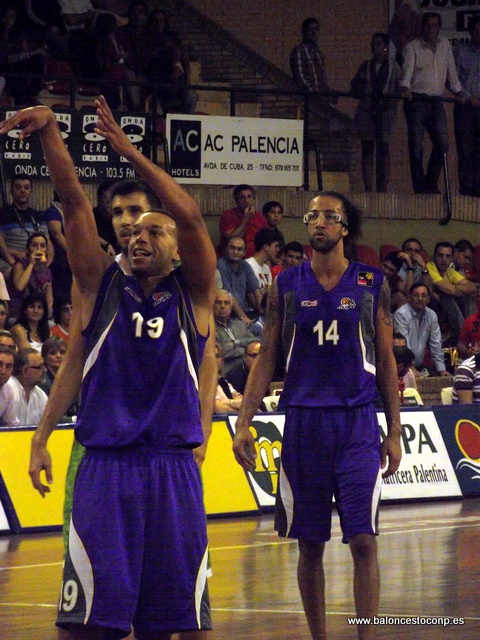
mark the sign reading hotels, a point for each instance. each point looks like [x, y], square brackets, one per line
[221, 150]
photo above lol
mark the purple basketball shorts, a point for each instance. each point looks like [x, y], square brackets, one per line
[137, 550]
[329, 452]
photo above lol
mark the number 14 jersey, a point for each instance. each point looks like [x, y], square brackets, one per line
[328, 337]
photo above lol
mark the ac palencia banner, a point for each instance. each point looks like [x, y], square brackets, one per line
[221, 150]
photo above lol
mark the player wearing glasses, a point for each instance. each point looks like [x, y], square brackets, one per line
[332, 319]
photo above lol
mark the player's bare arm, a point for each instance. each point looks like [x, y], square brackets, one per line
[207, 388]
[62, 394]
[194, 244]
[258, 380]
[387, 382]
[87, 260]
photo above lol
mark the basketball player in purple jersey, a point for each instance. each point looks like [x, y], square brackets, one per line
[332, 319]
[137, 548]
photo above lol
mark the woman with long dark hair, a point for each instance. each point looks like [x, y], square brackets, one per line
[31, 328]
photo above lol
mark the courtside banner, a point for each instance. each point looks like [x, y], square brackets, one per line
[92, 155]
[426, 470]
[460, 425]
[267, 430]
[221, 150]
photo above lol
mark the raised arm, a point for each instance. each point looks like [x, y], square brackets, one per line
[258, 380]
[194, 244]
[387, 383]
[87, 260]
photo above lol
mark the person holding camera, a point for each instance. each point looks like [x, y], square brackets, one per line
[31, 275]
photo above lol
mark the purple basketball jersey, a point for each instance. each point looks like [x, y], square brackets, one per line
[328, 337]
[140, 382]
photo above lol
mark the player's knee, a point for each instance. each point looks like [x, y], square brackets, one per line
[311, 551]
[363, 546]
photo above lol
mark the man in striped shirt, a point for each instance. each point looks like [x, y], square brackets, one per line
[466, 382]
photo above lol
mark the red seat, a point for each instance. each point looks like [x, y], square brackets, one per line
[367, 255]
[385, 249]
[57, 67]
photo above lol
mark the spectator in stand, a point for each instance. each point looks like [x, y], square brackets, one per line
[18, 221]
[31, 275]
[8, 416]
[451, 291]
[291, 256]
[414, 269]
[227, 399]
[391, 265]
[31, 328]
[427, 67]
[404, 357]
[375, 115]
[273, 212]
[266, 252]
[232, 334]
[53, 353]
[103, 216]
[466, 382]
[132, 40]
[109, 59]
[243, 220]
[168, 64]
[16, 56]
[42, 22]
[307, 63]
[399, 340]
[467, 115]
[463, 251]
[29, 400]
[239, 374]
[6, 339]
[79, 18]
[3, 313]
[60, 268]
[238, 278]
[62, 314]
[469, 339]
[404, 27]
[419, 325]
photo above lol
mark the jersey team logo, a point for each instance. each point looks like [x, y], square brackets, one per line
[161, 296]
[365, 278]
[347, 303]
[309, 303]
[134, 295]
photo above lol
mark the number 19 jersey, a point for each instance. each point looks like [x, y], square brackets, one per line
[328, 337]
[140, 385]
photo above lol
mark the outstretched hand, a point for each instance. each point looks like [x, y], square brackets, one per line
[110, 130]
[30, 120]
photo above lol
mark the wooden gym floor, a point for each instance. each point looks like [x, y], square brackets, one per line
[429, 561]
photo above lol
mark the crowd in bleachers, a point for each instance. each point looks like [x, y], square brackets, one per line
[87, 40]
[434, 300]
[84, 39]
